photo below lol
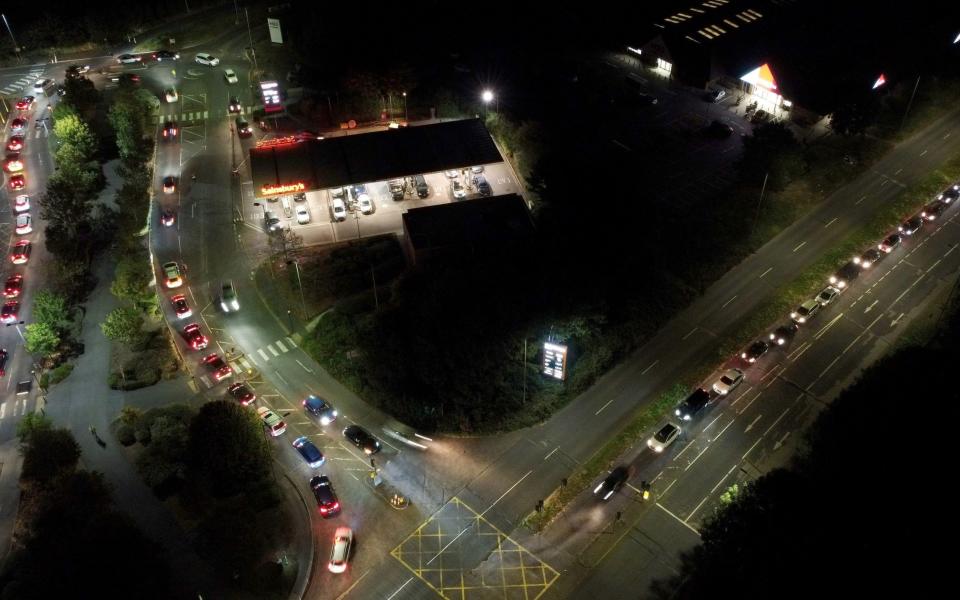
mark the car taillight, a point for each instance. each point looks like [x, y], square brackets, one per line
[323, 509]
[335, 506]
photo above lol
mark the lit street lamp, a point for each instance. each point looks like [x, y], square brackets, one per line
[487, 97]
[406, 115]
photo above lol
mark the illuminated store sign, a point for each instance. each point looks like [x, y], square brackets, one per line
[286, 188]
[554, 360]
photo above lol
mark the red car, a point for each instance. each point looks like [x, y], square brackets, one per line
[25, 103]
[180, 306]
[17, 182]
[17, 125]
[217, 366]
[14, 286]
[10, 312]
[195, 339]
[13, 164]
[21, 252]
[242, 393]
[15, 143]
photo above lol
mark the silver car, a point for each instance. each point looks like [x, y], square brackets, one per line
[728, 382]
[663, 438]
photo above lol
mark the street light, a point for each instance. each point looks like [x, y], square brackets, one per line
[303, 304]
[406, 115]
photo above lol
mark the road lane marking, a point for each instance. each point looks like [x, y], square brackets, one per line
[304, 366]
[263, 354]
[729, 301]
[774, 424]
[551, 453]
[603, 407]
[752, 423]
[830, 223]
[390, 597]
[827, 326]
[689, 334]
[519, 481]
[679, 520]
[697, 457]
[765, 272]
[802, 244]
[862, 198]
[644, 372]
[869, 308]
[344, 594]
[272, 350]
[277, 373]
[924, 152]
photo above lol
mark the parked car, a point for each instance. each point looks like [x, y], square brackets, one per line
[728, 382]
[339, 209]
[204, 58]
[664, 437]
[719, 129]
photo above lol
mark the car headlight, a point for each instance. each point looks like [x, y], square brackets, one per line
[657, 448]
[841, 284]
[236, 304]
[324, 420]
[833, 279]
[598, 488]
[686, 417]
[743, 355]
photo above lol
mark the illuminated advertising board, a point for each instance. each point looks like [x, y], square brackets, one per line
[271, 96]
[283, 188]
[554, 360]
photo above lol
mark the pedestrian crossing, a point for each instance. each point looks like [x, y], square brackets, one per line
[198, 115]
[249, 362]
[18, 406]
[23, 82]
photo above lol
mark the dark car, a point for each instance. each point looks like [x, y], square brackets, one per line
[169, 130]
[950, 194]
[613, 482]
[161, 55]
[3, 362]
[167, 218]
[326, 497]
[781, 335]
[217, 366]
[361, 439]
[242, 393]
[234, 105]
[890, 243]
[320, 408]
[869, 258]
[693, 404]
[719, 129]
[933, 210]
[646, 99]
[911, 226]
[755, 351]
[309, 452]
[847, 273]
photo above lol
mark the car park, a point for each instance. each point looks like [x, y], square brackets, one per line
[167, 218]
[950, 194]
[827, 295]
[10, 312]
[17, 182]
[13, 286]
[890, 243]
[180, 306]
[847, 273]
[16, 126]
[303, 215]
[204, 58]
[169, 130]
[21, 252]
[662, 439]
[171, 272]
[806, 311]
[933, 210]
[128, 59]
[271, 421]
[755, 351]
[326, 497]
[309, 451]
[911, 226]
[612, 483]
[359, 437]
[783, 334]
[230, 75]
[229, 302]
[728, 382]
[340, 553]
[162, 55]
[234, 106]
[242, 393]
[21, 203]
[25, 103]
[320, 408]
[24, 224]
[339, 210]
[195, 339]
[693, 404]
[15, 143]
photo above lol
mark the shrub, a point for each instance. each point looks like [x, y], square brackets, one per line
[126, 434]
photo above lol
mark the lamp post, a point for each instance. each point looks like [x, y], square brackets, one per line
[16, 48]
[487, 97]
[406, 115]
[303, 304]
[253, 53]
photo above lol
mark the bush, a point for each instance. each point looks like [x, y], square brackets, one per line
[126, 434]
[143, 434]
[61, 373]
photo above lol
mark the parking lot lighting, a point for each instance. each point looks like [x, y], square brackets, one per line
[487, 96]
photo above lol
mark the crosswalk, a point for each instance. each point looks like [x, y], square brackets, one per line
[249, 362]
[198, 115]
[18, 406]
[23, 82]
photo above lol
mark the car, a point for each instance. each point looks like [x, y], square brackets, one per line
[693, 404]
[271, 421]
[847, 273]
[612, 483]
[306, 135]
[17, 125]
[340, 553]
[339, 209]
[234, 105]
[228, 297]
[476, 169]
[320, 408]
[728, 382]
[458, 190]
[195, 339]
[950, 194]
[17, 182]
[180, 306]
[131, 79]
[128, 59]
[911, 226]
[3, 362]
[933, 210]
[25, 103]
[806, 311]
[755, 351]
[646, 99]
[21, 203]
[14, 286]
[480, 182]
[41, 84]
[230, 75]
[10, 312]
[75, 71]
[662, 439]
[272, 223]
[452, 173]
[61, 90]
[169, 130]
[325, 495]
[24, 224]
[162, 55]
[13, 164]
[719, 129]
[171, 272]
[207, 59]
[219, 368]
[890, 243]
[21, 252]
[15, 143]
[868, 258]
[243, 127]
[303, 215]
[361, 439]
[169, 184]
[171, 95]
[167, 218]
[309, 452]
[781, 335]
[365, 204]
[827, 295]
[242, 393]
[715, 94]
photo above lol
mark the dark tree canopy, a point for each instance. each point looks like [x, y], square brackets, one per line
[49, 452]
[228, 451]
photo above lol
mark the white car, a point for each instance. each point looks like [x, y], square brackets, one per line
[171, 95]
[271, 421]
[41, 84]
[663, 438]
[24, 224]
[126, 59]
[366, 204]
[728, 381]
[339, 209]
[303, 215]
[22, 203]
[477, 169]
[207, 59]
[340, 553]
[805, 311]
[452, 173]
[230, 75]
[458, 190]
[827, 295]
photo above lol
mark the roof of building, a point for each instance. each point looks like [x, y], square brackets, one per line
[367, 157]
[497, 219]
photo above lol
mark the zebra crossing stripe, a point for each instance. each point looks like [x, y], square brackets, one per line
[290, 341]
[252, 359]
[263, 354]
[272, 350]
[205, 113]
[245, 363]
[281, 346]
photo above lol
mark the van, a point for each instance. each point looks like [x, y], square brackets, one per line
[243, 128]
[421, 185]
[287, 208]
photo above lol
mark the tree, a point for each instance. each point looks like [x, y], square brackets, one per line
[131, 278]
[228, 453]
[165, 459]
[80, 95]
[51, 308]
[49, 452]
[41, 339]
[30, 423]
[123, 325]
[72, 131]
